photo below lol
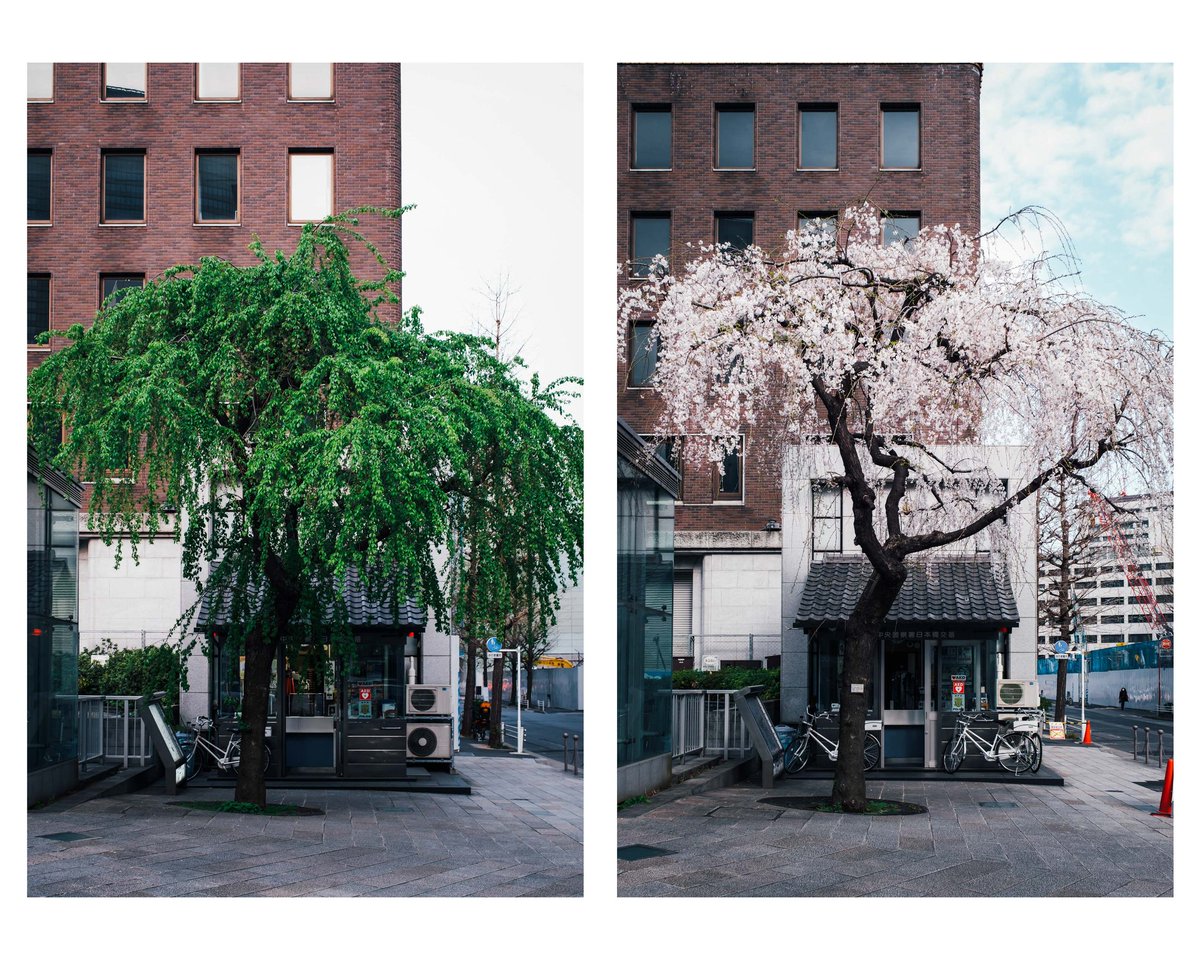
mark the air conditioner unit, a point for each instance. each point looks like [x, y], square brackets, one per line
[1017, 693]
[427, 700]
[428, 740]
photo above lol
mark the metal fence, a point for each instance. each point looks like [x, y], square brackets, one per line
[727, 646]
[111, 730]
[707, 723]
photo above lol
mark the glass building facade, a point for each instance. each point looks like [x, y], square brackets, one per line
[646, 492]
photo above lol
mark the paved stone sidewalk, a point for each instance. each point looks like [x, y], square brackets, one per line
[1095, 836]
[520, 833]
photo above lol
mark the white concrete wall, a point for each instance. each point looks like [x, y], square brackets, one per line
[123, 603]
[566, 636]
[1105, 685]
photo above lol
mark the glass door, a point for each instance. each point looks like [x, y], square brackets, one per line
[311, 711]
[956, 687]
[903, 701]
[373, 734]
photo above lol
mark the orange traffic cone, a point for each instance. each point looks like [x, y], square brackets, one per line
[1087, 734]
[1165, 804]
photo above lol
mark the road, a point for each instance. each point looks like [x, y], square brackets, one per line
[1114, 728]
[544, 731]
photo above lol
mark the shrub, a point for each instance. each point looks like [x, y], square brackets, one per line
[105, 669]
[728, 678]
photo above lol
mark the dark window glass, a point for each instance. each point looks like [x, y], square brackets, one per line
[124, 81]
[651, 238]
[818, 137]
[824, 222]
[645, 355]
[652, 138]
[116, 282]
[37, 305]
[735, 137]
[124, 187]
[902, 137]
[735, 229]
[217, 186]
[729, 484]
[901, 227]
[38, 199]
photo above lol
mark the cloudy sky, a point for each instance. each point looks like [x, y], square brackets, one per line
[1092, 143]
[493, 159]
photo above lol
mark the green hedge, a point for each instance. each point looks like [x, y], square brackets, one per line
[133, 673]
[728, 678]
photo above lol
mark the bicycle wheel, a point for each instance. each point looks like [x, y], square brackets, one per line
[235, 756]
[871, 752]
[1015, 752]
[1037, 752]
[952, 756]
[796, 755]
[195, 760]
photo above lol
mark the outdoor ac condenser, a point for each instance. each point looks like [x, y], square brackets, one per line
[1016, 693]
[427, 700]
[428, 740]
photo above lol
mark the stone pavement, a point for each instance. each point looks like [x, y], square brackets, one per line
[1095, 836]
[520, 833]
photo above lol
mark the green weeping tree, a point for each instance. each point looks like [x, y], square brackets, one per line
[297, 435]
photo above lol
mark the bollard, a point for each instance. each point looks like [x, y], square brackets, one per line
[1135, 730]
[1160, 746]
[565, 751]
[575, 754]
[1146, 759]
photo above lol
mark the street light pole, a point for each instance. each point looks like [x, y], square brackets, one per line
[517, 688]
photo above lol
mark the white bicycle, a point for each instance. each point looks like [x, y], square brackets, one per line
[799, 750]
[228, 759]
[1015, 752]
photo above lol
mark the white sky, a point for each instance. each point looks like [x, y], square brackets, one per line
[492, 156]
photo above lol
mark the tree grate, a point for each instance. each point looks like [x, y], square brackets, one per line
[67, 837]
[998, 804]
[639, 851]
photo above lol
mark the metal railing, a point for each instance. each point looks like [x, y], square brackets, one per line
[111, 730]
[707, 723]
[728, 646]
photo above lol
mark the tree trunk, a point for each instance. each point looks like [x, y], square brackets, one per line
[256, 688]
[1060, 693]
[495, 737]
[512, 666]
[468, 710]
[861, 642]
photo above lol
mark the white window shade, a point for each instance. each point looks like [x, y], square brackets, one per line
[41, 81]
[217, 81]
[311, 178]
[310, 81]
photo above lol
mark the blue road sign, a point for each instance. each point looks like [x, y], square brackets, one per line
[1060, 646]
[493, 645]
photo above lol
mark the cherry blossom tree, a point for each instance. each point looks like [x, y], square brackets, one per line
[898, 354]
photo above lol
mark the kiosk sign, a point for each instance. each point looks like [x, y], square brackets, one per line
[958, 691]
[364, 693]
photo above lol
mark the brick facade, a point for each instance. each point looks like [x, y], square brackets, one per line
[361, 125]
[945, 189]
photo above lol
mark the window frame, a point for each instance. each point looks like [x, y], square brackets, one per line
[211, 152]
[750, 108]
[901, 107]
[719, 215]
[634, 216]
[805, 217]
[28, 98]
[120, 152]
[196, 98]
[42, 152]
[113, 275]
[637, 108]
[49, 278]
[633, 351]
[291, 98]
[837, 134]
[729, 497]
[310, 151]
[814, 490]
[104, 86]
[899, 215]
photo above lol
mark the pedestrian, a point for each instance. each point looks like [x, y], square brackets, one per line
[1123, 697]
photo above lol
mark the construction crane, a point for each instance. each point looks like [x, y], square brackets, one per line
[1142, 591]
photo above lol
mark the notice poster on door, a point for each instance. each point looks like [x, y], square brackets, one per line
[958, 691]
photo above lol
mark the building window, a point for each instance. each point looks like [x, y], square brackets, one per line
[38, 181]
[735, 136]
[37, 305]
[217, 186]
[1164, 566]
[643, 357]
[823, 222]
[219, 81]
[727, 482]
[818, 136]
[310, 81]
[124, 188]
[310, 185]
[1166, 581]
[735, 229]
[827, 518]
[123, 81]
[901, 227]
[652, 137]
[40, 82]
[900, 133]
[118, 283]
[1109, 584]
[1113, 619]
[650, 238]
[1112, 601]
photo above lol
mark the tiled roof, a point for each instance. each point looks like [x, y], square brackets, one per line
[360, 611]
[936, 591]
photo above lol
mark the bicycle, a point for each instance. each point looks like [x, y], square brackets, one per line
[1030, 721]
[796, 755]
[1013, 751]
[228, 759]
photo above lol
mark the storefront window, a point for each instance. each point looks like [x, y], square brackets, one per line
[375, 680]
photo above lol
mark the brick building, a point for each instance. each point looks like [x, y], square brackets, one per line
[743, 153]
[134, 168]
